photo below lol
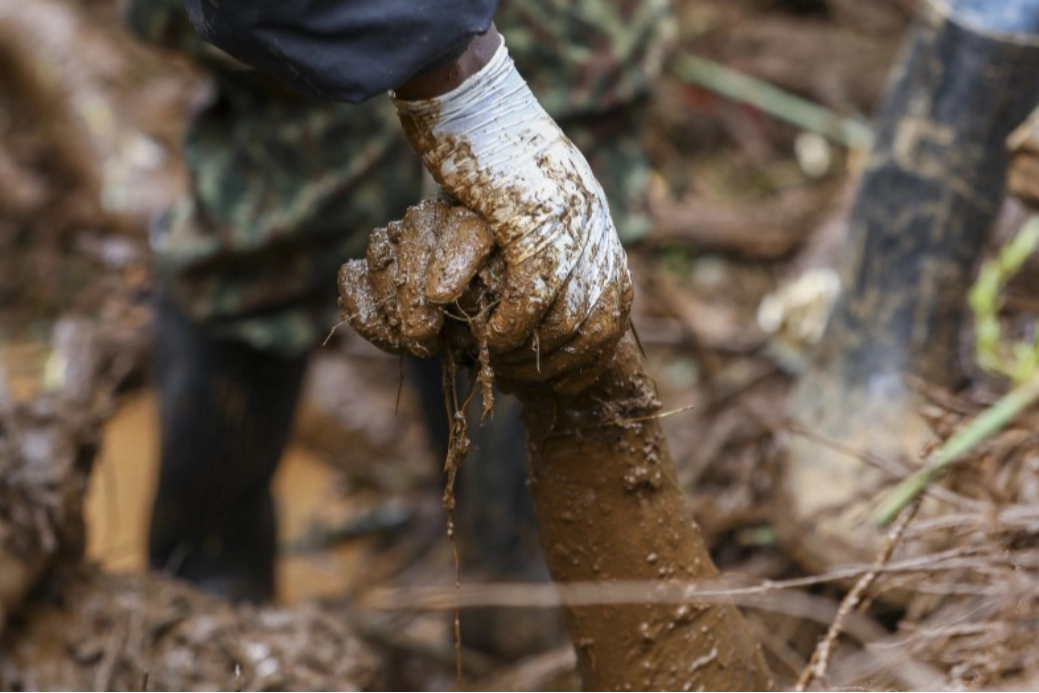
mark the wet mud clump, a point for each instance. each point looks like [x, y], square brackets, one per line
[608, 502]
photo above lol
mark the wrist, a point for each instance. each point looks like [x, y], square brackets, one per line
[446, 75]
[488, 130]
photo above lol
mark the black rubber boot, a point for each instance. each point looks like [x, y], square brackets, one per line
[932, 188]
[496, 525]
[226, 413]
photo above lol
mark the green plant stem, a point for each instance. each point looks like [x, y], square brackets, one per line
[774, 101]
[984, 426]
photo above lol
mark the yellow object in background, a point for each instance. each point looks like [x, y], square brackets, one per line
[123, 482]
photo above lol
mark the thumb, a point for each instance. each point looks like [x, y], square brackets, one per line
[464, 245]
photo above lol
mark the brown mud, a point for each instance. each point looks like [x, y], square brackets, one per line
[66, 625]
[117, 507]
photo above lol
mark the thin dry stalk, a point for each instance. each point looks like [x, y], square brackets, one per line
[817, 665]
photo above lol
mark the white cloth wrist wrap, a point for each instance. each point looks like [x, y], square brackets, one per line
[491, 145]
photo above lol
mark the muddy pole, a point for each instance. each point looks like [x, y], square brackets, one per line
[610, 509]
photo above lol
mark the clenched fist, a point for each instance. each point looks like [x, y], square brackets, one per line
[565, 290]
[562, 292]
[428, 277]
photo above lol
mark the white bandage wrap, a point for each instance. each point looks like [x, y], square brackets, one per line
[491, 145]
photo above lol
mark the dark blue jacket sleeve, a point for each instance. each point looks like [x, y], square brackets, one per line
[345, 50]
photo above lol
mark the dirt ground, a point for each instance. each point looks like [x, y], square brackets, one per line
[743, 202]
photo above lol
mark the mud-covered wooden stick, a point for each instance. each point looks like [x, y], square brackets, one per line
[610, 508]
[604, 485]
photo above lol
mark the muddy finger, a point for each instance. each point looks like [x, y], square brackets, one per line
[557, 328]
[569, 310]
[529, 290]
[420, 320]
[596, 336]
[382, 271]
[463, 248]
[358, 306]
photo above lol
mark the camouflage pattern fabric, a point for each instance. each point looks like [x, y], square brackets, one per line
[285, 187]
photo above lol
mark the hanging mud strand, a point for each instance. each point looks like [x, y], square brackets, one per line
[481, 360]
[458, 435]
[459, 442]
[855, 600]
[426, 287]
[484, 373]
[457, 448]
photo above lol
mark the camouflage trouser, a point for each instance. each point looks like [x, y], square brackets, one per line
[285, 188]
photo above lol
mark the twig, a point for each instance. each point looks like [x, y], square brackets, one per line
[6, 399]
[984, 426]
[709, 325]
[383, 518]
[527, 595]
[350, 317]
[651, 417]
[818, 664]
[774, 101]
[106, 668]
[332, 331]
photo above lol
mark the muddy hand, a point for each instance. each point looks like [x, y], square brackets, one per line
[395, 298]
[1023, 178]
[434, 276]
[566, 292]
